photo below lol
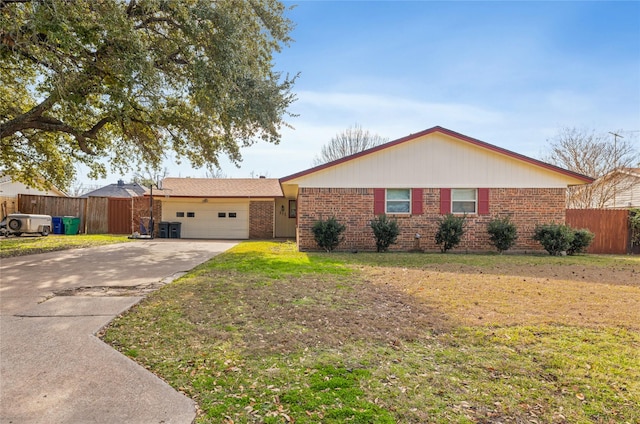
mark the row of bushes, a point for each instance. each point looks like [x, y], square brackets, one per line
[557, 239]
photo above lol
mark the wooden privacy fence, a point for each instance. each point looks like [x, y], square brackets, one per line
[610, 226]
[54, 206]
[98, 215]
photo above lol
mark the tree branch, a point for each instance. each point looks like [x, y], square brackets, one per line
[153, 19]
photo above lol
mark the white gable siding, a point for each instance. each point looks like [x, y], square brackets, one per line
[11, 189]
[626, 198]
[435, 160]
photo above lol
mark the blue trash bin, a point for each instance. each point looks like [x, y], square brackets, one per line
[58, 226]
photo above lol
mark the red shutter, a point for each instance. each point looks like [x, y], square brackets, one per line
[378, 201]
[445, 201]
[416, 201]
[483, 201]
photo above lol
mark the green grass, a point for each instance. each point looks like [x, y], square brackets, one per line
[29, 245]
[419, 260]
[265, 334]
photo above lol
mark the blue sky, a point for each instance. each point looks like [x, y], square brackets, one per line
[508, 73]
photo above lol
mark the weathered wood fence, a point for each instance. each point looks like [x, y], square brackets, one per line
[98, 215]
[610, 226]
[8, 205]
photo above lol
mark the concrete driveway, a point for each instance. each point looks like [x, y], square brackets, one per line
[53, 369]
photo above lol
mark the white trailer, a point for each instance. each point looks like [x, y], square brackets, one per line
[24, 223]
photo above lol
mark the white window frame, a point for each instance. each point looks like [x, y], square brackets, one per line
[464, 200]
[397, 201]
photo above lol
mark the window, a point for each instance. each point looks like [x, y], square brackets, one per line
[398, 200]
[232, 215]
[464, 200]
[293, 210]
[191, 214]
[222, 215]
[179, 214]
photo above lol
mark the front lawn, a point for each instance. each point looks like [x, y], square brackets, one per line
[29, 245]
[263, 333]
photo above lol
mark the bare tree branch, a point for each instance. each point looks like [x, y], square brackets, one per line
[351, 141]
[595, 155]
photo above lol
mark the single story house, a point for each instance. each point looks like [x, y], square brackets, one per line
[419, 178]
[227, 208]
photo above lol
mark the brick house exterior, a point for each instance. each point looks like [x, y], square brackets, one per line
[354, 208]
[502, 183]
[261, 219]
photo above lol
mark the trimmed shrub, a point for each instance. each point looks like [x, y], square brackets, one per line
[385, 231]
[581, 240]
[502, 233]
[634, 223]
[555, 238]
[450, 231]
[327, 233]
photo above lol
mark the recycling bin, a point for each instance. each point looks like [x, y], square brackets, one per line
[58, 226]
[71, 225]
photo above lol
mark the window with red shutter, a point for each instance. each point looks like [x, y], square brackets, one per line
[483, 201]
[445, 201]
[416, 201]
[378, 201]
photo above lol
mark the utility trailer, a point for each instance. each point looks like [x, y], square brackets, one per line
[25, 223]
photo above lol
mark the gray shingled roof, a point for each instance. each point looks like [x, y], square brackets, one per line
[118, 190]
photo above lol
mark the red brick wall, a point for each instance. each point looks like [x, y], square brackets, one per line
[354, 208]
[261, 215]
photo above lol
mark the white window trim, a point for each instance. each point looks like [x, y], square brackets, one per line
[475, 207]
[386, 201]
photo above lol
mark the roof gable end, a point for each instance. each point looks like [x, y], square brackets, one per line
[460, 137]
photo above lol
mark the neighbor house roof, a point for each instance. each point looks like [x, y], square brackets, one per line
[450, 133]
[118, 190]
[220, 187]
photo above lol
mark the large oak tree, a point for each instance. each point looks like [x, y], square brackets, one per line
[124, 82]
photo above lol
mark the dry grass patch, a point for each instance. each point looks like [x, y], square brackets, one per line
[477, 297]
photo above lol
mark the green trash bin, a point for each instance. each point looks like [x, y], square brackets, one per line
[71, 225]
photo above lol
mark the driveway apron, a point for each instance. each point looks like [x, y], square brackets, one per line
[53, 369]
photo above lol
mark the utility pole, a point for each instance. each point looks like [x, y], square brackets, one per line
[615, 163]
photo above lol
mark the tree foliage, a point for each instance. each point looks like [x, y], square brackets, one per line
[348, 142]
[597, 156]
[125, 81]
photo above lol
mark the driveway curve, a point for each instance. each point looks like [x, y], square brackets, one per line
[53, 369]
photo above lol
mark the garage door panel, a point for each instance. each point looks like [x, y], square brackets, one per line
[210, 220]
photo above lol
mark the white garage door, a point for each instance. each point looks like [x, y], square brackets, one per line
[209, 220]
